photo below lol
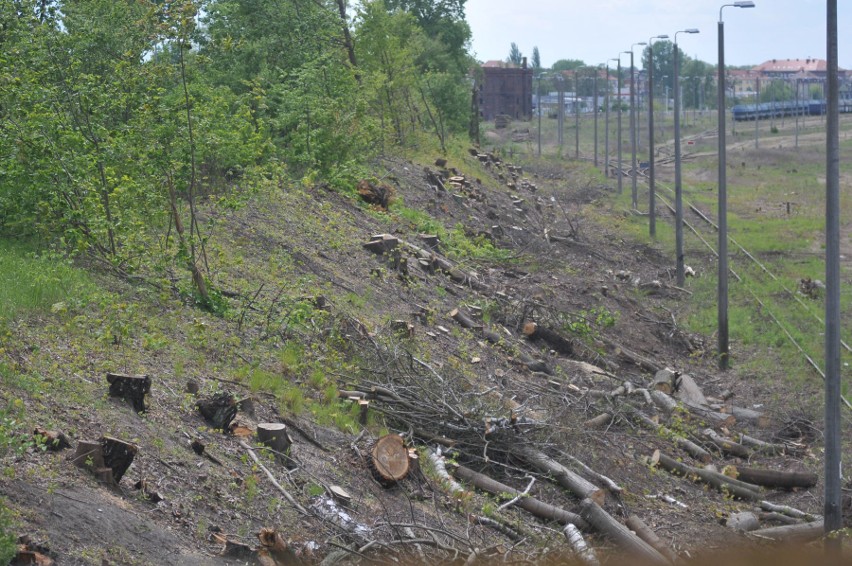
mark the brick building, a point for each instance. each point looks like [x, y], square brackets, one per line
[505, 89]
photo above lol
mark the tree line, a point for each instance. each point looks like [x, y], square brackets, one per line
[118, 117]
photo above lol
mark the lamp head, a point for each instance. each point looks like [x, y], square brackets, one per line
[744, 4]
[691, 30]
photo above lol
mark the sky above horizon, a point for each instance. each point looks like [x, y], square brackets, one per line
[598, 30]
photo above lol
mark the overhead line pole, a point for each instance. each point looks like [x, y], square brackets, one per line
[833, 520]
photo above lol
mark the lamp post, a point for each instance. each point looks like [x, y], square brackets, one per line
[665, 106]
[560, 114]
[595, 86]
[606, 123]
[618, 97]
[678, 190]
[723, 196]
[539, 112]
[652, 223]
[576, 116]
[633, 192]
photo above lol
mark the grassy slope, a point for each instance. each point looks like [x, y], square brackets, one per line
[66, 328]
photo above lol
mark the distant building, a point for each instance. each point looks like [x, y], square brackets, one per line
[786, 68]
[505, 89]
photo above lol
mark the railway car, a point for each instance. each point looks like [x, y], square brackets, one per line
[765, 110]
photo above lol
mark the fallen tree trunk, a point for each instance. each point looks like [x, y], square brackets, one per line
[530, 504]
[761, 445]
[801, 533]
[777, 478]
[687, 445]
[644, 532]
[606, 482]
[727, 446]
[599, 421]
[451, 485]
[581, 550]
[721, 482]
[743, 522]
[789, 511]
[747, 415]
[574, 483]
[635, 547]
[464, 320]
[669, 405]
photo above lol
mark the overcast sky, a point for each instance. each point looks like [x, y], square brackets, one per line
[597, 30]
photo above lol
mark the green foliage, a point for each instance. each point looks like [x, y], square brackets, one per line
[13, 438]
[8, 546]
[32, 281]
[515, 56]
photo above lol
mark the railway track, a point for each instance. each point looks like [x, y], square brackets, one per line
[712, 226]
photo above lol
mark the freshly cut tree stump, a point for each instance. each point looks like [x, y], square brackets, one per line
[132, 388]
[664, 381]
[118, 455]
[219, 410]
[389, 459]
[108, 458]
[275, 437]
[553, 339]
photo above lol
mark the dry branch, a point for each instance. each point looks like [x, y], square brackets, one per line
[272, 479]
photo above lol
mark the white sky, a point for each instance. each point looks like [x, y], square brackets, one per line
[597, 30]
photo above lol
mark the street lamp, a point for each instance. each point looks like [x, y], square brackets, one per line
[540, 75]
[595, 86]
[652, 224]
[723, 196]
[618, 97]
[606, 120]
[634, 194]
[678, 190]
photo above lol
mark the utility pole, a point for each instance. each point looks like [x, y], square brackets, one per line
[833, 520]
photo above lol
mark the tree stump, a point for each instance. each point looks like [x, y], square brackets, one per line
[54, 440]
[108, 458]
[132, 388]
[664, 381]
[219, 410]
[389, 460]
[118, 455]
[274, 436]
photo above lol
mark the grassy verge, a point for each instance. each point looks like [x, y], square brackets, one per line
[30, 281]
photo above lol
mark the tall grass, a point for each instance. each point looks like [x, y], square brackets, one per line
[32, 282]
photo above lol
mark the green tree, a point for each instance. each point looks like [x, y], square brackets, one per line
[515, 55]
[567, 65]
[536, 59]
[776, 91]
